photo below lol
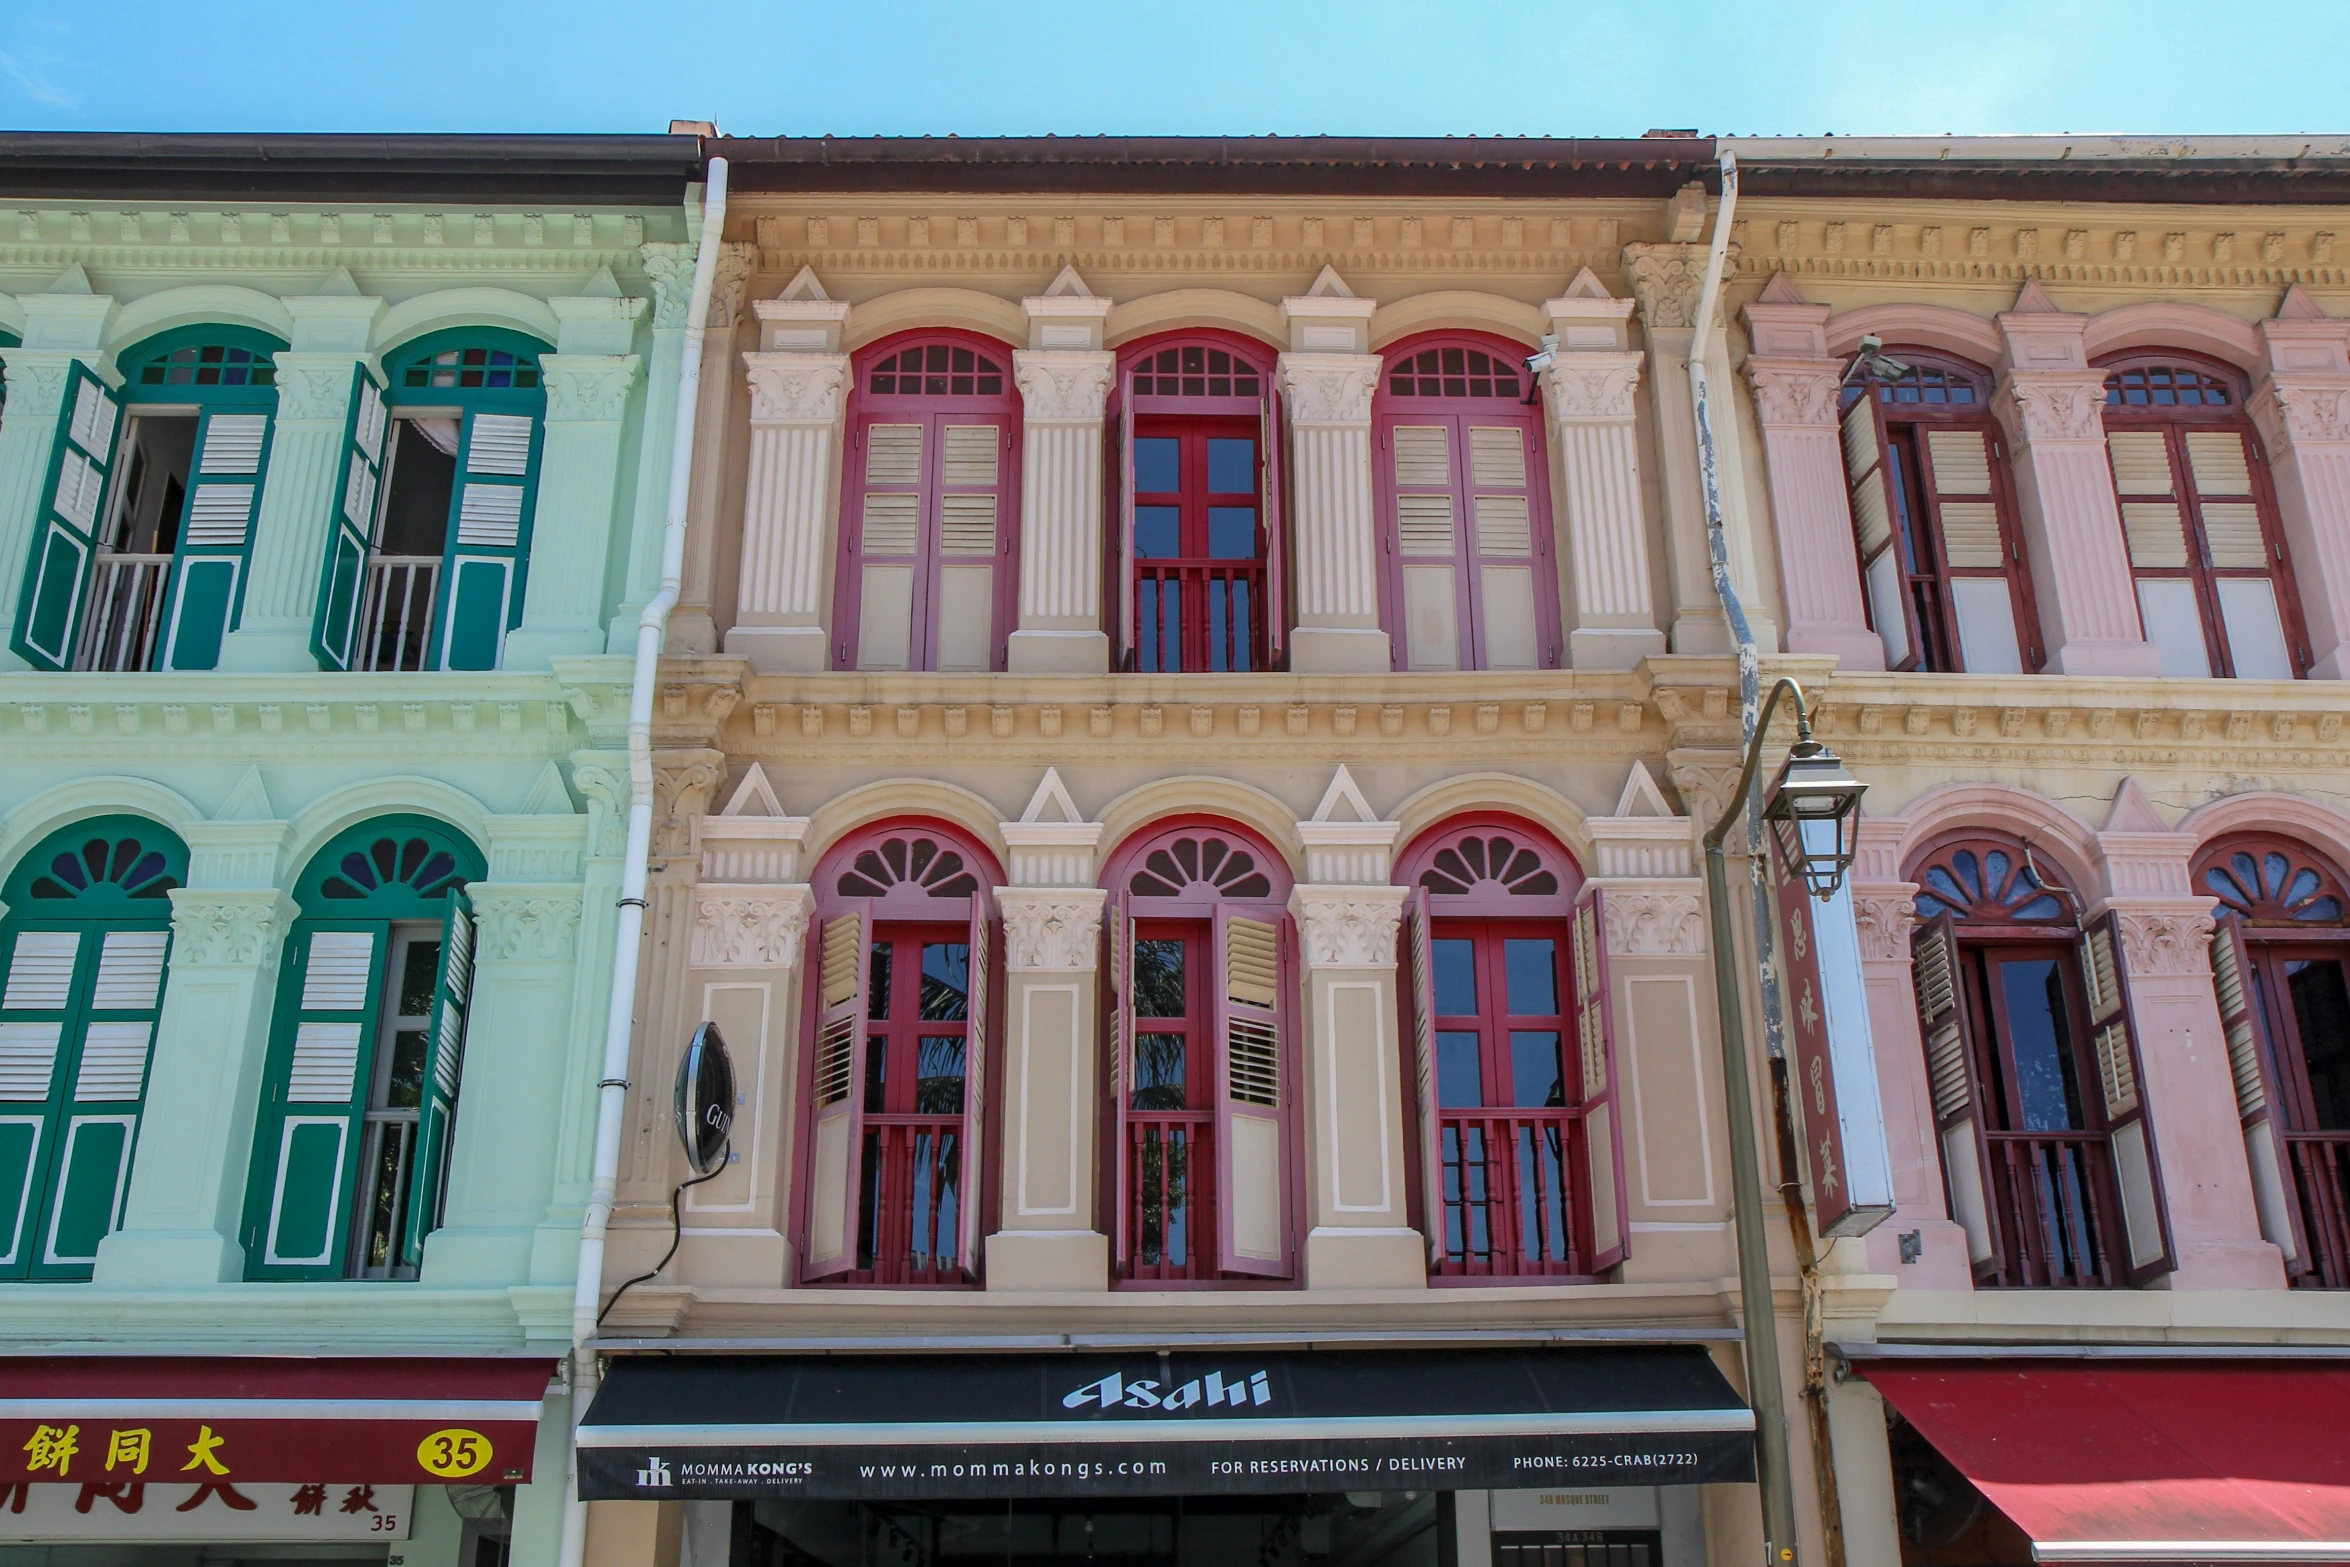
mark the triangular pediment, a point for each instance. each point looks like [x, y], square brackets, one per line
[1066, 284]
[247, 802]
[1050, 805]
[2298, 306]
[2034, 301]
[804, 286]
[754, 796]
[339, 284]
[73, 280]
[2133, 811]
[550, 796]
[1587, 286]
[602, 286]
[1781, 290]
[1343, 801]
[1329, 285]
[1641, 796]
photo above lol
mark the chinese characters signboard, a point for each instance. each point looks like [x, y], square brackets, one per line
[1823, 1002]
[215, 1511]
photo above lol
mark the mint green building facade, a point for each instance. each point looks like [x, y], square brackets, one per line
[330, 486]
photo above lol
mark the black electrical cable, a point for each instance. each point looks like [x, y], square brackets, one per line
[676, 1232]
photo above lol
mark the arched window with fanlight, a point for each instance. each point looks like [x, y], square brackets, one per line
[2033, 1068]
[1467, 577]
[930, 523]
[1933, 516]
[894, 1079]
[366, 1056]
[2199, 519]
[2280, 962]
[1520, 1142]
[1197, 571]
[1201, 1080]
[83, 949]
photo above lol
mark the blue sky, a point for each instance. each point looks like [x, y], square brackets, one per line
[914, 67]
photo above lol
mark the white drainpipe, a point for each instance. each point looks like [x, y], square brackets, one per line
[612, 1092]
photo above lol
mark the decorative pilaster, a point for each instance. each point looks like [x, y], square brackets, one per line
[1589, 389]
[63, 325]
[578, 507]
[1666, 281]
[1327, 381]
[1063, 394]
[2052, 406]
[1795, 383]
[2303, 410]
[786, 572]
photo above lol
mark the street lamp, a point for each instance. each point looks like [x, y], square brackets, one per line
[1814, 812]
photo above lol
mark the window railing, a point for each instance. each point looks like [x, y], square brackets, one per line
[2321, 1175]
[125, 619]
[910, 1212]
[2055, 1198]
[1199, 615]
[395, 622]
[387, 1154]
[1509, 1194]
[1170, 1202]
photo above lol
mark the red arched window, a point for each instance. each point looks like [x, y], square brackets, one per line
[1933, 515]
[1202, 1087]
[930, 516]
[2215, 587]
[2032, 1062]
[1467, 579]
[2280, 963]
[1520, 1145]
[895, 1073]
[1197, 577]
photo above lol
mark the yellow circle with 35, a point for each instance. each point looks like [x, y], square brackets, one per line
[455, 1453]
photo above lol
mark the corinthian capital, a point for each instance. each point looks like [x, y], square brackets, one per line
[225, 929]
[1667, 280]
[1794, 392]
[1051, 927]
[2303, 410]
[587, 388]
[796, 388]
[1348, 927]
[750, 927]
[1592, 387]
[1063, 385]
[2054, 405]
[1329, 388]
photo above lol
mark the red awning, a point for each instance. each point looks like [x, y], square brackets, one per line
[112, 1419]
[2145, 1462]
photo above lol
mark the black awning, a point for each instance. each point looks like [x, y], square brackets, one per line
[1143, 1424]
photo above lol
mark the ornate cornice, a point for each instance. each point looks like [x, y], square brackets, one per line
[1329, 389]
[1348, 927]
[525, 926]
[750, 927]
[1592, 387]
[586, 388]
[1653, 922]
[1051, 928]
[796, 388]
[1798, 393]
[1063, 385]
[225, 929]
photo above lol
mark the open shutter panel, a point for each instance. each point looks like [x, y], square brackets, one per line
[101, 1088]
[973, 539]
[1276, 608]
[972, 1198]
[837, 1136]
[1430, 531]
[208, 567]
[1961, 1115]
[2251, 1064]
[2113, 1034]
[1420, 953]
[1882, 581]
[1603, 1132]
[889, 543]
[489, 538]
[65, 529]
[342, 582]
[1122, 567]
[1252, 1217]
[452, 1001]
[1508, 627]
[1977, 548]
[1118, 933]
[35, 1009]
[306, 1145]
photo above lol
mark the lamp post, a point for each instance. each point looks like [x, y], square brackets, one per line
[1814, 811]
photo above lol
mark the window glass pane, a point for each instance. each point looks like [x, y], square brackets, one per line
[2321, 1010]
[1455, 962]
[1460, 1075]
[1232, 532]
[938, 1075]
[1533, 971]
[1158, 1072]
[1157, 464]
[418, 970]
[946, 978]
[877, 994]
[2174, 624]
[1158, 979]
[2040, 1044]
[2256, 636]
[1534, 1069]
[1232, 466]
[405, 1088]
[876, 1073]
[1158, 532]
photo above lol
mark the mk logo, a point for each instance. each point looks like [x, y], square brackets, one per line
[655, 1472]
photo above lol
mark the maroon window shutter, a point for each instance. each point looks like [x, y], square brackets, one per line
[976, 998]
[1876, 510]
[1420, 949]
[1955, 1085]
[1276, 606]
[836, 1131]
[1122, 566]
[2113, 1036]
[1602, 1135]
[2252, 1063]
[1251, 1126]
[1118, 931]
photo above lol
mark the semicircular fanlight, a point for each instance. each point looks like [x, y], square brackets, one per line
[1200, 865]
[2272, 882]
[914, 860]
[1988, 882]
[127, 866]
[414, 862]
[1487, 861]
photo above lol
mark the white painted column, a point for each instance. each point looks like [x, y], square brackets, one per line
[1590, 389]
[1064, 377]
[2303, 410]
[1328, 379]
[63, 325]
[791, 501]
[332, 335]
[184, 1216]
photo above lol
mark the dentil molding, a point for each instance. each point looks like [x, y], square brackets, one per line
[1349, 927]
[796, 388]
[749, 927]
[1063, 385]
[1059, 930]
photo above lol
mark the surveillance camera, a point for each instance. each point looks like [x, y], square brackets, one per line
[1871, 343]
[1537, 363]
[1890, 368]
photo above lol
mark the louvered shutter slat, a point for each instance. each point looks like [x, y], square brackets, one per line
[40, 971]
[2141, 462]
[490, 516]
[970, 455]
[1423, 455]
[28, 1060]
[499, 444]
[1497, 457]
[1504, 526]
[2218, 461]
[232, 443]
[130, 970]
[114, 1062]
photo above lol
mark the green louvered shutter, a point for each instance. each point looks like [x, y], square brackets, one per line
[314, 1097]
[216, 540]
[489, 538]
[342, 586]
[65, 539]
[77, 1026]
[451, 1000]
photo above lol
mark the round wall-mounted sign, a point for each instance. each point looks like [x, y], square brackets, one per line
[705, 1099]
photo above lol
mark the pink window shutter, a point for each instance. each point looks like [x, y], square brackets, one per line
[1420, 948]
[2121, 1074]
[1252, 1153]
[1118, 931]
[1276, 607]
[976, 998]
[1122, 640]
[1595, 1041]
[836, 1133]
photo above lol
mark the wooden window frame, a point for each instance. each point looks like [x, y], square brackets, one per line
[2175, 422]
[935, 412]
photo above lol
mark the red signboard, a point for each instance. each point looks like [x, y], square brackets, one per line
[218, 1422]
[1803, 1006]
